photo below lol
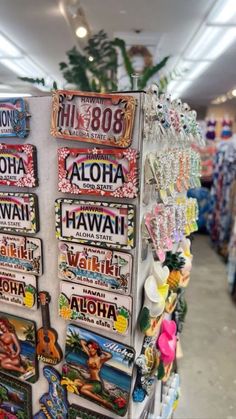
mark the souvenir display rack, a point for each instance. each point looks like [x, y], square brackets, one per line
[157, 139]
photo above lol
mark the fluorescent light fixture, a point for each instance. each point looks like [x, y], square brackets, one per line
[223, 12]
[13, 66]
[23, 67]
[200, 47]
[223, 43]
[197, 69]
[4, 86]
[7, 48]
[15, 94]
[81, 31]
[182, 86]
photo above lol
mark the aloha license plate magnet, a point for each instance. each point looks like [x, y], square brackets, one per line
[92, 307]
[18, 289]
[97, 118]
[14, 116]
[95, 223]
[19, 212]
[21, 253]
[18, 165]
[98, 172]
[105, 269]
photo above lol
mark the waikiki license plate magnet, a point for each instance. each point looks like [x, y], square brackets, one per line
[92, 307]
[18, 165]
[98, 172]
[21, 253]
[97, 118]
[14, 120]
[105, 269]
[19, 212]
[18, 289]
[95, 223]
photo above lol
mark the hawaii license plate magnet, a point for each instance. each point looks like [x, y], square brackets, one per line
[14, 116]
[21, 253]
[92, 307]
[95, 223]
[98, 172]
[97, 118]
[19, 212]
[18, 165]
[109, 384]
[18, 289]
[105, 269]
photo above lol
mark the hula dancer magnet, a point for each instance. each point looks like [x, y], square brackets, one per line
[18, 347]
[21, 253]
[97, 118]
[19, 212]
[92, 307]
[98, 172]
[18, 289]
[18, 165]
[16, 398]
[105, 269]
[14, 116]
[100, 369]
[96, 223]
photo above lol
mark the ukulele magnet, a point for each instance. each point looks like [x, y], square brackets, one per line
[97, 118]
[16, 398]
[98, 172]
[21, 253]
[18, 289]
[19, 212]
[95, 223]
[100, 309]
[14, 116]
[105, 269]
[18, 347]
[48, 349]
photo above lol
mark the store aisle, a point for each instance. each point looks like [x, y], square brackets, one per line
[208, 368]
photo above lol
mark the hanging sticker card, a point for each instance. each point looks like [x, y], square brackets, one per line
[98, 172]
[16, 398]
[95, 223]
[105, 269]
[21, 253]
[92, 307]
[14, 118]
[18, 347]
[100, 369]
[18, 289]
[18, 165]
[19, 212]
[97, 118]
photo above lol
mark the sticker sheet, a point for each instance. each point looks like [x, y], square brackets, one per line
[99, 309]
[95, 223]
[97, 118]
[21, 253]
[105, 269]
[100, 369]
[98, 172]
[18, 289]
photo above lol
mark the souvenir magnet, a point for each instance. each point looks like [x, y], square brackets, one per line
[21, 253]
[19, 212]
[100, 309]
[97, 118]
[18, 289]
[101, 268]
[166, 344]
[54, 403]
[14, 118]
[48, 350]
[18, 347]
[95, 223]
[98, 172]
[100, 369]
[16, 398]
[80, 412]
[18, 165]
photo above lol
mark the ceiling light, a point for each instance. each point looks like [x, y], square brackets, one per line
[224, 42]
[223, 12]
[81, 31]
[182, 86]
[4, 86]
[23, 67]
[234, 92]
[201, 46]
[197, 70]
[7, 49]
[15, 95]
[91, 58]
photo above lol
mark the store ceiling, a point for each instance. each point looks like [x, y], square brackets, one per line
[40, 29]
